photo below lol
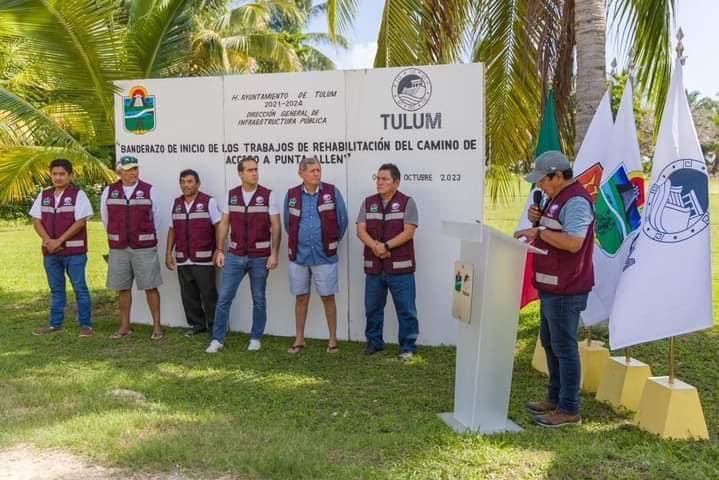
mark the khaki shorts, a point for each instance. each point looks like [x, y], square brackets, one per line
[126, 265]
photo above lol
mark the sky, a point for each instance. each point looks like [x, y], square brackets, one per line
[697, 18]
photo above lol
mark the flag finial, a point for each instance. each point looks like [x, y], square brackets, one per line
[680, 46]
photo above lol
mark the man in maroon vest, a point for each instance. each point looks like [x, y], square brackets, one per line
[59, 215]
[191, 235]
[565, 228]
[252, 215]
[130, 212]
[315, 218]
[386, 224]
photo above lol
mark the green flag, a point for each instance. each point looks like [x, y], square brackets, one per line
[548, 140]
[549, 130]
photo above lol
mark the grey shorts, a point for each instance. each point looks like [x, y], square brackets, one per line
[323, 276]
[126, 265]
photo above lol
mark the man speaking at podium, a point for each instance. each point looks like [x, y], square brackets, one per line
[564, 227]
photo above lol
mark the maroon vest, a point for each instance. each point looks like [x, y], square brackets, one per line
[129, 220]
[194, 231]
[561, 272]
[383, 224]
[250, 227]
[327, 209]
[56, 219]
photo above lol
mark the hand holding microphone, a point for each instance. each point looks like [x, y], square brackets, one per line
[535, 212]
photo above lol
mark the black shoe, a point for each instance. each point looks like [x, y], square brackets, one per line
[371, 349]
[195, 331]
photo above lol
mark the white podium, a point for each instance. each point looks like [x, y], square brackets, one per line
[485, 345]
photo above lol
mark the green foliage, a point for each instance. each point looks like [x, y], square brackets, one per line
[59, 59]
[525, 45]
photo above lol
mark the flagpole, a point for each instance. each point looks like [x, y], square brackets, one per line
[672, 370]
[672, 366]
[627, 358]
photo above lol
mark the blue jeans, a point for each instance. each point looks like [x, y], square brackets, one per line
[55, 268]
[403, 292]
[234, 271]
[558, 333]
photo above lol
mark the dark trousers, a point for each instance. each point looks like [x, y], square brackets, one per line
[402, 288]
[198, 288]
[558, 333]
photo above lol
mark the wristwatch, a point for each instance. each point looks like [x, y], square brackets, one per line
[386, 246]
[540, 229]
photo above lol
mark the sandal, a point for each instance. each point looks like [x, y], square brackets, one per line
[156, 336]
[332, 349]
[295, 349]
[121, 334]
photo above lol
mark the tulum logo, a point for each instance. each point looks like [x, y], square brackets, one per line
[678, 205]
[411, 89]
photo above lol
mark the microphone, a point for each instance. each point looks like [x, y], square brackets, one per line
[537, 199]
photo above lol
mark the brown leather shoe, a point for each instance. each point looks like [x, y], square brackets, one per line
[86, 331]
[540, 408]
[557, 419]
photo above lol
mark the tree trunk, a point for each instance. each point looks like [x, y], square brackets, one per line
[590, 26]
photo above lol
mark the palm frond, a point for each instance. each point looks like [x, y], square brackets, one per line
[267, 47]
[399, 34]
[507, 45]
[24, 167]
[159, 40]
[340, 16]
[644, 30]
[324, 39]
[444, 31]
[32, 122]
[75, 44]
[315, 60]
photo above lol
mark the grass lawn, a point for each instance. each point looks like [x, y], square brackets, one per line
[312, 416]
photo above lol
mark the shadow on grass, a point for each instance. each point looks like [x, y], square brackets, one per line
[314, 415]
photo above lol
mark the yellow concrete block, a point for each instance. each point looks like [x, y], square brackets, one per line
[594, 358]
[539, 359]
[671, 410]
[623, 382]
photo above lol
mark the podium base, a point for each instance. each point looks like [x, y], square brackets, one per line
[539, 359]
[623, 382]
[459, 427]
[671, 410]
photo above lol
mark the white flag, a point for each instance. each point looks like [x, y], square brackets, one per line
[616, 206]
[665, 288]
[588, 169]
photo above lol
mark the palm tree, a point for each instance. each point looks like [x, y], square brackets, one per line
[59, 59]
[526, 46]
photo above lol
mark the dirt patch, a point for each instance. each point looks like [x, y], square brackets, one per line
[24, 462]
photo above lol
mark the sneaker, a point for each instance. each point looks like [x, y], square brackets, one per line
[86, 331]
[557, 419]
[540, 408]
[405, 356]
[371, 349]
[214, 347]
[46, 330]
[254, 345]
